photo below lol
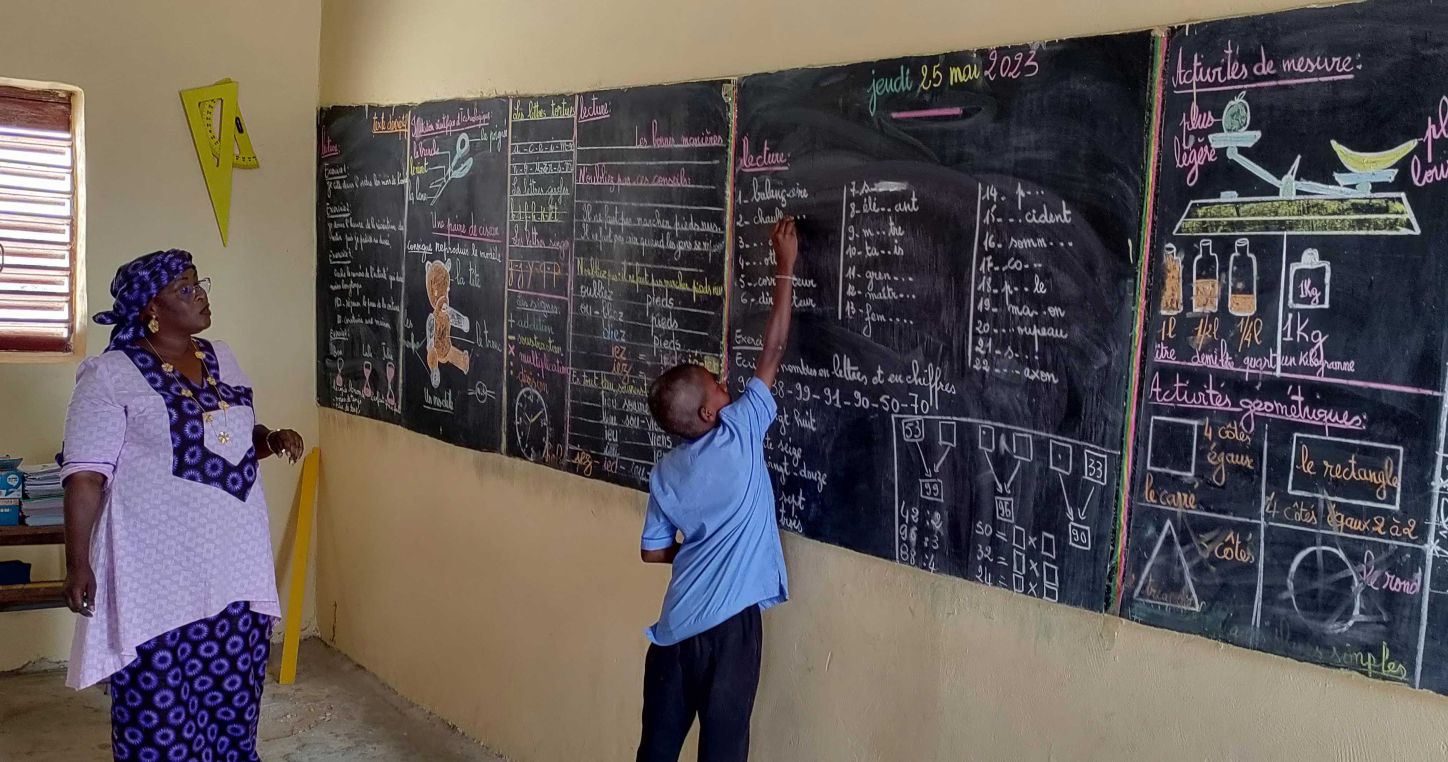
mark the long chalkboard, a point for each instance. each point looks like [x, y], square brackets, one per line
[1288, 449]
[955, 397]
[457, 207]
[361, 218]
[616, 262]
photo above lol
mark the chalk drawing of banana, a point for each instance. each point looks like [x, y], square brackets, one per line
[1360, 161]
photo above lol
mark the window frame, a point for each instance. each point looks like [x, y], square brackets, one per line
[79, 323]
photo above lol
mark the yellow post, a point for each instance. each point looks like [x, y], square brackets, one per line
[291, 640]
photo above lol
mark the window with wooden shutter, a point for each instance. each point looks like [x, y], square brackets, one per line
[37, 221]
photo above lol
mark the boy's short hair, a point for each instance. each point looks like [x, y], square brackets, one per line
[675, 397]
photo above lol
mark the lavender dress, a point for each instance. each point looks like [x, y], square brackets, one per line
[185, 588]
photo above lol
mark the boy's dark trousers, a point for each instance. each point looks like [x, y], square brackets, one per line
[713, 674]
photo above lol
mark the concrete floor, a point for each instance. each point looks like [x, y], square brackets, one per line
[335, 712]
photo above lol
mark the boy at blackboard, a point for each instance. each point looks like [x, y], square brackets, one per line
[713, 490]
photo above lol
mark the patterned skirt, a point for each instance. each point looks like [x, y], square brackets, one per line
[194, 693]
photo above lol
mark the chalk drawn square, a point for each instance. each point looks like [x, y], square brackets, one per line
[1171, 446]
[1080, 536]
[1005, 508]
[913, 430]
[1022, 446]
[1093, 466]
[933, 490]
[1050, 575]
[1048, 545]
[1018, 583]
[1053, 594]
[1019, 537]
[947, 433]
[986, 439]
[1061, 457]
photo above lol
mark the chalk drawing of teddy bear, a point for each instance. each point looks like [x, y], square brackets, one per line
[440, 323]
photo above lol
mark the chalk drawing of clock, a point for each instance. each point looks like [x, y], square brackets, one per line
[530, 424]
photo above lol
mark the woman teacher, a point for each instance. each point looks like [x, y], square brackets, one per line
[168, 551]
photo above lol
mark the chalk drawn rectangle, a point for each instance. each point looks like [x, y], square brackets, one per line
[1005, 508]
[1093, 466]
[913, 429]
[947, 433]
[1370, 457]
[1061, 457]
[1050, 575]
[1018, 562]
[933, 490]
[986, 438]
[1048, 545]
[1019, 537]
[1164, 444]
[1022, 446]
[1080, 536]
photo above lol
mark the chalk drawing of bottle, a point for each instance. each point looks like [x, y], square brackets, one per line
[1311, 282]
[1242, 280]
[1206, 288]
[1171, 292]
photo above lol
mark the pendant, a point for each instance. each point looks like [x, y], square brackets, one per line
[208, 417]
[224, 438]
[200, 355]
[168, 367]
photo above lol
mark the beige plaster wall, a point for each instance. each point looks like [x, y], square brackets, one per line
[145, 192]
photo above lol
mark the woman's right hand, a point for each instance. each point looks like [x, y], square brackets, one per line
[80, 591]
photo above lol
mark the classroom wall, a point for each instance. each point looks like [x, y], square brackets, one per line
[509, 598]
[145, 192]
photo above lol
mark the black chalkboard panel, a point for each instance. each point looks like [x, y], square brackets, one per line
[361, 217]
[457, 210]
[616, 267]
[539, 255]
[956, 391]
[649, 260]
[1287, 448]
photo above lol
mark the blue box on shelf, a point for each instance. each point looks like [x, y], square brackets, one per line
[12, 480]
[14, 573]
[9, 513]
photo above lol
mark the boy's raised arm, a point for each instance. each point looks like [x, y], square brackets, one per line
[785, 243]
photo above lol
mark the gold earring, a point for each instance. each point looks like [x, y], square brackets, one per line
[153, 325]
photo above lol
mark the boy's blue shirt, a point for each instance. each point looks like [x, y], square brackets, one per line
[717, 492]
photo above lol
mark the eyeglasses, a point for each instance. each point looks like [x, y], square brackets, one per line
[202, 286]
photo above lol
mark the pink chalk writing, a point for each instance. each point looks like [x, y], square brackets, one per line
[654, 139]
[765, 161]
[1428, 170]
[593, 110]
[602, 174]
[474, 231]
[465, 118]
[329, 149]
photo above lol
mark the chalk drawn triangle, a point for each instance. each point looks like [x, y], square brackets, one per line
[1168, 582]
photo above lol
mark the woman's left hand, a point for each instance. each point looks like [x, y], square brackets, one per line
[285, 442]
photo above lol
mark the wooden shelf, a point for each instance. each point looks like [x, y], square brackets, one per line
[36, 595]
[32, 535]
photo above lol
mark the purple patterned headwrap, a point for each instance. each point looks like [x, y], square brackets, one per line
[136, 283]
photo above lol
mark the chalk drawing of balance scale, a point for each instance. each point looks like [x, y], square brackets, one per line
[1302, 207]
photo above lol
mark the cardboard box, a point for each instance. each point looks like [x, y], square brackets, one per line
[12, 484]
[9, 513]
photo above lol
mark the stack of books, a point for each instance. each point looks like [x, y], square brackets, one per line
[44, 501]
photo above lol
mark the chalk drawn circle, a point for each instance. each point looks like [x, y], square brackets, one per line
[1327, 596]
